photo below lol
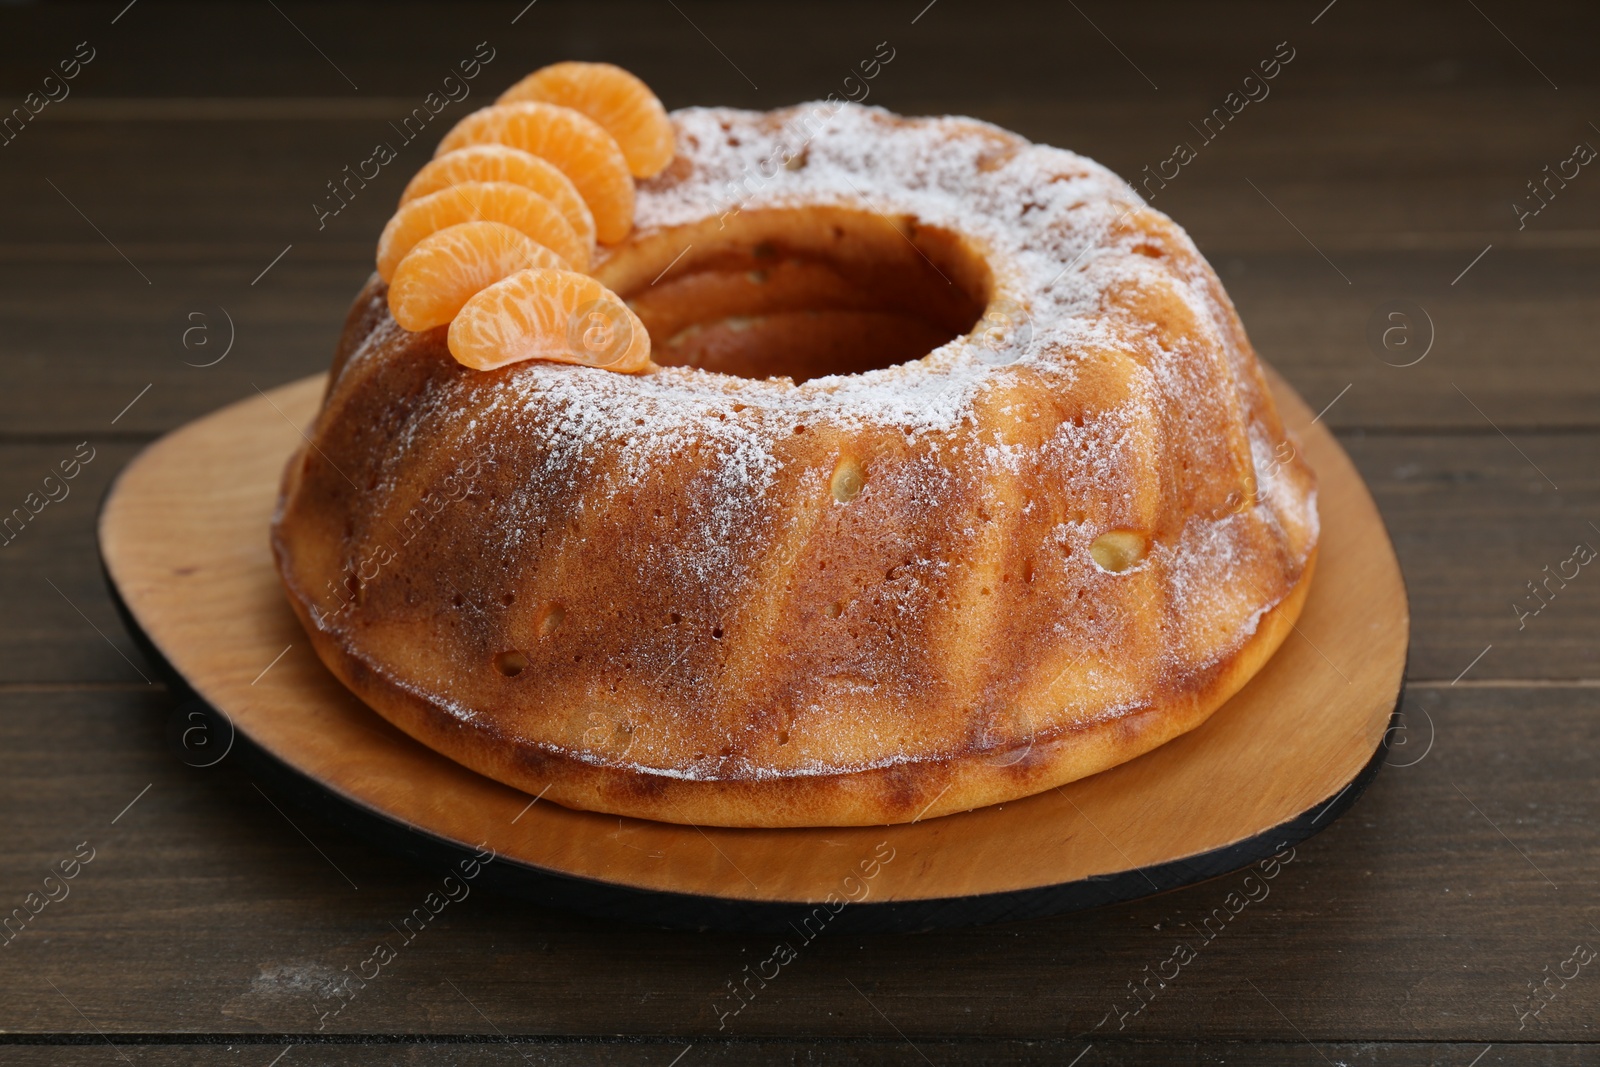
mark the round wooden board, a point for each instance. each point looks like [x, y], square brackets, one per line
[183, 535]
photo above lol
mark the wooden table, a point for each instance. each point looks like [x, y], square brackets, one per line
[179, 177]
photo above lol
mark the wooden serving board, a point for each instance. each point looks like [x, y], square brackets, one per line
[183, 535]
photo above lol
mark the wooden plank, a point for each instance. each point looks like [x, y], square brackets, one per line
[1511, 336]
[1474, 521]
[1345, 173]
[237, 920]
[172, 337]
[216, 182]
[1350, 171]
[61, 626]
[893, 1051]
[1013, 45]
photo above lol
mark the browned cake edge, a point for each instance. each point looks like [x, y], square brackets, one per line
[900, 793]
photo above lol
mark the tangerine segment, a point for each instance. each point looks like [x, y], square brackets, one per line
[447, 268]
[557, 315]
[615, 99]
[575, 143]
[517, 206]
[498, 163]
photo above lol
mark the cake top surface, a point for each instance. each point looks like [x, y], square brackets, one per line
[1047, 219]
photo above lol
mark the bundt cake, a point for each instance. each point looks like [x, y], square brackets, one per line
[950, 477]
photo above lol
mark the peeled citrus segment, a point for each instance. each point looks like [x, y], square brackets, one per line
[575, 143]
[446, 269]
[615, 99]
[499, 163]
[515, 205]
[556, 315]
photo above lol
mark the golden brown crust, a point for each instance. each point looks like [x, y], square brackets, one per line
[900, 793]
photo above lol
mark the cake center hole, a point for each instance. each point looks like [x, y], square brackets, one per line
[807, 293]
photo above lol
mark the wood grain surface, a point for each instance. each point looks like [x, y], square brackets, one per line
[210, 926]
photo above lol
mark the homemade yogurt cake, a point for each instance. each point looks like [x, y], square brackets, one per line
[810, 467]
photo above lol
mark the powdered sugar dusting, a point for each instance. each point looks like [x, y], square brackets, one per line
[1045, 217]
[1041, 214]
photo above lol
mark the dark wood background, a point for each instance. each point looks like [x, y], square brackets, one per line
[210, 926]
